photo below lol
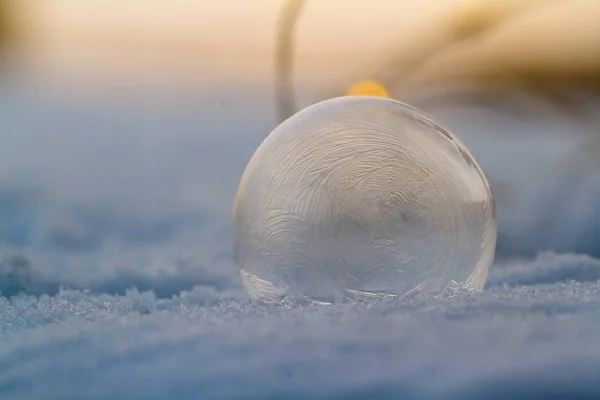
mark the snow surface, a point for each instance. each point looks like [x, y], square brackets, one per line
[117, 280]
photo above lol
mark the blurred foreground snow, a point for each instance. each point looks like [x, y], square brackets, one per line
[519, 339]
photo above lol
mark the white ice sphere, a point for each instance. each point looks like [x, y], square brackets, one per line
[361, 197]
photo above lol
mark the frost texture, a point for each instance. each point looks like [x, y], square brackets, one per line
[521, 342]
[360, 197]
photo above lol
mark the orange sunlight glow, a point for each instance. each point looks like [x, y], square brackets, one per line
[368, 88]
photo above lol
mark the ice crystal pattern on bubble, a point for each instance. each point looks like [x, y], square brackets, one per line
[356, 198]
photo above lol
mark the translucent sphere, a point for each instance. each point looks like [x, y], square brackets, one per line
[360, 198]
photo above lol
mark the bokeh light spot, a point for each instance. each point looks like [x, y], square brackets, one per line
[368, 88]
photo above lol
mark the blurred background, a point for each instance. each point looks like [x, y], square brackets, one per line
[126, 125]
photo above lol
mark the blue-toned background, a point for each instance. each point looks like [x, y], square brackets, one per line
[116, 233]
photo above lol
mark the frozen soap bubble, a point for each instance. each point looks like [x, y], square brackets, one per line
[358, 198]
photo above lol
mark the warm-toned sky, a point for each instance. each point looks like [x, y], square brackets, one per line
[233, 39]
[222, 22]
[210, 35]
